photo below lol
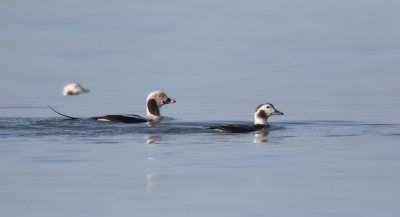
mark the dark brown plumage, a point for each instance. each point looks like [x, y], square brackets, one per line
[152, 107]
[239, 128]
[262, 114]
[129, 119]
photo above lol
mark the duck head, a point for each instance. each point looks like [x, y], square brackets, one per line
[74, 89]
[263, 111]
[155, 101]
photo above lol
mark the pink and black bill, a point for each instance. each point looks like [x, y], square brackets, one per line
[169, 101]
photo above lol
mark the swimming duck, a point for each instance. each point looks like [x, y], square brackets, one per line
[261, 115]
[155, 101]
[74, 89]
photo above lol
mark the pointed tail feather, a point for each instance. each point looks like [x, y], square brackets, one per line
[61, 114]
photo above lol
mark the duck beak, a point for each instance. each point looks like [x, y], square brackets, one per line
[169, 101]
[85, 90]
[276, 112]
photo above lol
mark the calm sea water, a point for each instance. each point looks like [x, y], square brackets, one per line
[331, 66]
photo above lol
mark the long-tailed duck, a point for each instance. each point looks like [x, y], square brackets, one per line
[155, 101]
[261, 115]
[74, 89]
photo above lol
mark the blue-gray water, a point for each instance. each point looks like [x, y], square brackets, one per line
[331, 66]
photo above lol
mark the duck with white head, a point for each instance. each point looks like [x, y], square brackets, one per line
[261, 115]
[154, 102]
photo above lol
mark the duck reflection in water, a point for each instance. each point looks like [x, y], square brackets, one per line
[154, 179]
[261, 136]
[152, 139]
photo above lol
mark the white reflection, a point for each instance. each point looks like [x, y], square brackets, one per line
[154, 180]
[261, 136]
[152, 139]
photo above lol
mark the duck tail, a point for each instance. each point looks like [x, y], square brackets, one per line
[61, 114]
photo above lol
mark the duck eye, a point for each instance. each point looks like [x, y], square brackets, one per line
[267, 106]
[159, 95]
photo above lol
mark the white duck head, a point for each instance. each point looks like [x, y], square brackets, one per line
[155, 101]
[263, 111]
[74, 89]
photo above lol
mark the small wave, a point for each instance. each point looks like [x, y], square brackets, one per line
[44, 127]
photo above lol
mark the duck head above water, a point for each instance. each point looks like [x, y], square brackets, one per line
[262, 113]
[155, 101]
[74, 89]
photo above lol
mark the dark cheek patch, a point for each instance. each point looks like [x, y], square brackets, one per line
[261, 114]
[70, 93]
[152, 106]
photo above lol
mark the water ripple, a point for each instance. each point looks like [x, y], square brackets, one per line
[42, 127]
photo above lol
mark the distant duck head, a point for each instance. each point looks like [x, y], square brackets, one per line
[263, 111]
[74, 89]
[155, 101]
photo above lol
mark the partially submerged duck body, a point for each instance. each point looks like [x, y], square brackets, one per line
[261, 115]
[239, 128]
[129, 119]
[155, 101]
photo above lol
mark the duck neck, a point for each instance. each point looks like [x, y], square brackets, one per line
[152, 108]
[260, 119]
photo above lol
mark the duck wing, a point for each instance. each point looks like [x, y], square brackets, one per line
[131, 119]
